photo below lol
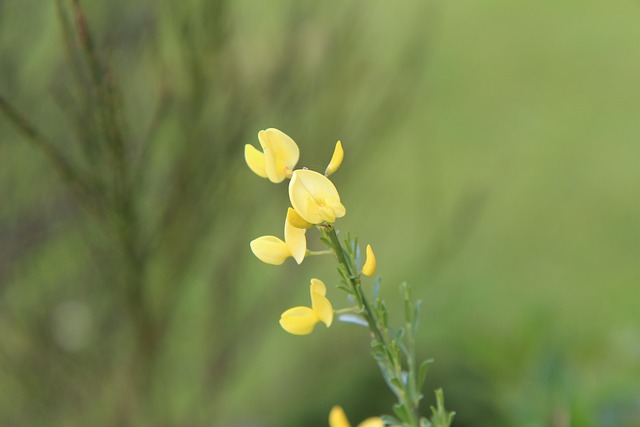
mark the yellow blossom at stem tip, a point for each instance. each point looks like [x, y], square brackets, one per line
[336, 159]
[314, 197]
[278, 157]
[369, 267]
[302, 320]
[337, 418]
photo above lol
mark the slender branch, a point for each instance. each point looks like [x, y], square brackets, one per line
[69, 172]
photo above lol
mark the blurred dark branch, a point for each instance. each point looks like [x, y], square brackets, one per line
[69, 172]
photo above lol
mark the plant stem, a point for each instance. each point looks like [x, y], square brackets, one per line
[391, 364]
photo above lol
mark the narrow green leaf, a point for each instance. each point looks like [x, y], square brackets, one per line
[397, 382]
[422, 372]
[390, 420]
[416, 314]
[401, 413]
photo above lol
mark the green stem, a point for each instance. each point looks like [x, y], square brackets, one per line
[313, 253]
[354, 281]
[405, 394]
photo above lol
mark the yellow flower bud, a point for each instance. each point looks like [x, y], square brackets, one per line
[337, 417]
[279, 157]
[314, 197]
[369, 267]
[336, 159]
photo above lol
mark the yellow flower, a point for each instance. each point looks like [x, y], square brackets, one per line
[314, 197]
[336, 159]
[302, 320]
[272, 250]
[279, 157]
[369, 267]
[337, 418]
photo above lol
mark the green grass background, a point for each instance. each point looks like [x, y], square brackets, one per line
[492, 160]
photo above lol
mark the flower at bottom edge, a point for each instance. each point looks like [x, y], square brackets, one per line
[302, 320]
[337, 418]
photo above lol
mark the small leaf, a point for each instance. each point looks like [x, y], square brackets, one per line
[401, 412]
[353, 318]
[416, 314]
[344, 288]
[397, 382]
[422, 372]
[390, 420]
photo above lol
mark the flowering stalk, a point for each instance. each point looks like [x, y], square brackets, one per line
[393, 350]
[316, 201]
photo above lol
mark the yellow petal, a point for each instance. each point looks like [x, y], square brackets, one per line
[318, 287]
[296, 241]
[372, 422]
[270, 249]
[369, 267]
[319, 302]
[337, 418]
[280, 152]
[255, 160]
[338, 208]
[323, 308]
[298, 320]
[296, 220]
[314, 197]
[336, 159]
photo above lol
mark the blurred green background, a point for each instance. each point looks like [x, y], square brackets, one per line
[492, 160]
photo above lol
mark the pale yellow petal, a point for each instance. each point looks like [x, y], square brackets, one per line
[372, 422]
[323, 308]
[337, 418]
[296, 241]
[369, 267]
[270, 249]
[255, 160]
[319, 302]
[338, 208]
[314, 197]
[316, 184]
[336, 159]
[296, 220]
[281, 154]
[318, 287]
[298, 320]
[307, 206]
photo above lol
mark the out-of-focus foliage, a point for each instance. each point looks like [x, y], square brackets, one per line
[491, 154]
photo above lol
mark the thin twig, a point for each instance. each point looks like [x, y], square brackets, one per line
[67, 170]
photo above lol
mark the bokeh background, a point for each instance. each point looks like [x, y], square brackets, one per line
[492, 159]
